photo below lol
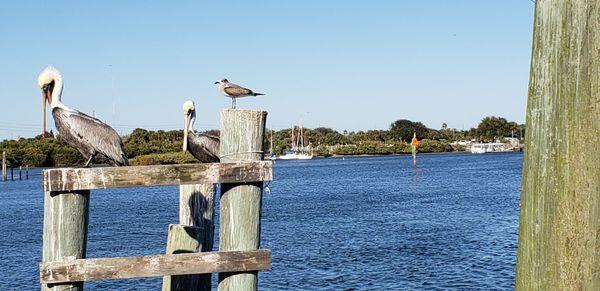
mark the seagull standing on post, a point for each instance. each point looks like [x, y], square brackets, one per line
[234, 91]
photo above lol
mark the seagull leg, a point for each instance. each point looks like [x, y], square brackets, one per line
[233, 102]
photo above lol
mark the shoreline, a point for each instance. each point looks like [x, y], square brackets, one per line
[314, 158]
[408, 154]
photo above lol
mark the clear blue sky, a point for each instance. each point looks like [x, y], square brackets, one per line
[350, 65]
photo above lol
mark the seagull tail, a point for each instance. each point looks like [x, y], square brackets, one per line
[257, 94]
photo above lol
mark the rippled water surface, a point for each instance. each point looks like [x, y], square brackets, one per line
[354, 223]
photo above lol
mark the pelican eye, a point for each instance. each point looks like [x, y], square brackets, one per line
[48, 86]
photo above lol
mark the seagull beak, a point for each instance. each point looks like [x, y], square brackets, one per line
[216, 82]
[186, 128]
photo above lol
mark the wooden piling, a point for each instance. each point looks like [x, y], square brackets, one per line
[242, 134]
[66, 205]
[27, 172]
[12, 173]
[20, 174]
[196, 214]
[3, 166]
[559, 228]
[65, 231]
[182, 239]
[196, 208]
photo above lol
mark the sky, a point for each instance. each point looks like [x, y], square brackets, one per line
[348, 65]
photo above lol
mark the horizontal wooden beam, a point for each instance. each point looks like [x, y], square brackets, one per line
[70, 179]
[153, 266]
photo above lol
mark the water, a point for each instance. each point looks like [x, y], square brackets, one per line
[358, 223]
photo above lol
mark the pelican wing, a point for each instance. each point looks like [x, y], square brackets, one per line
[235, 90]
[204, 147]
[95, 135]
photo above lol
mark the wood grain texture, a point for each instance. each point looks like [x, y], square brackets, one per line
[242, 133]
[65, 230]
[183, 239]
[153, 266]
[559, 228]
[67, 179]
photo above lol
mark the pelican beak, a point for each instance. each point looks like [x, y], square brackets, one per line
[44, 113]
[46, 95]
[186, 129]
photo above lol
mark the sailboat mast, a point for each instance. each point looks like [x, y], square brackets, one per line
[293, 141]
[271, 149]
[301, 135]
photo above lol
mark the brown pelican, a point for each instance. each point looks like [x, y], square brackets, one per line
[87, 134]
[234, 91]
[202, 146]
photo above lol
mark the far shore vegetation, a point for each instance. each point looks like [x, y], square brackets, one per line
[144, 147]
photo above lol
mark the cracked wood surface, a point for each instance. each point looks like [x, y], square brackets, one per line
[69, 179]
[153, 266]
[559, 227]
[242, 136]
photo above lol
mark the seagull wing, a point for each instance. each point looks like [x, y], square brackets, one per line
[236, 91]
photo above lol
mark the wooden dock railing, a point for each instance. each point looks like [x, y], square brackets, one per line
[189, 244]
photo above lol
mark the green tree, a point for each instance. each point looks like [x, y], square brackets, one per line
[492, 127]
[403, 130]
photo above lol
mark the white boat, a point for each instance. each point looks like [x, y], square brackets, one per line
[289, 155]
[494, 147]
[298, 151]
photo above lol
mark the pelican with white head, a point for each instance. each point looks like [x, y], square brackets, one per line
[203, 147]
[87, 134]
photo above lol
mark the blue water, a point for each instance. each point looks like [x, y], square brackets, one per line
[354, 223]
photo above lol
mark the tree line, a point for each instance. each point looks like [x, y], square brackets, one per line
[164, 147]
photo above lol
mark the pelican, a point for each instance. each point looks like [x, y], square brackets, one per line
[202, 146]
[234, 91]
[87, 134]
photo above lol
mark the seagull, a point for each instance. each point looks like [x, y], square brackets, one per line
[202, 146]
[234, 91]
[90, 136]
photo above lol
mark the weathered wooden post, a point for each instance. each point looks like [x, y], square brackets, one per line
[12, 173]
[242, 133]
[20, 170]
[3, 166]
[559, 228]
[27, 172]
[65, 230]
[66, 207]
[194, 233]
[196, 208]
